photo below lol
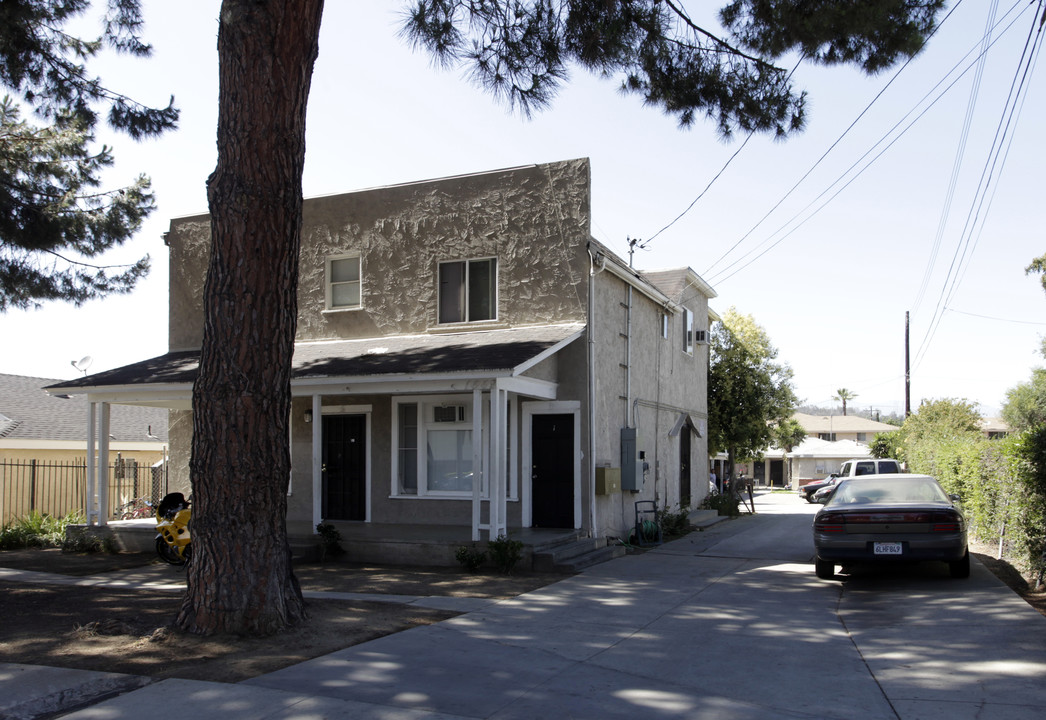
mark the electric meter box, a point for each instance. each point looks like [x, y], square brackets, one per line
[631, 469]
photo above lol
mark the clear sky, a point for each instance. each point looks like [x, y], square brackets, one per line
[826, 239]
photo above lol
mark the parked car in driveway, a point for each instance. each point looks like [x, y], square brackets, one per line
[806, 492]
[824, 493]
[854, 468]
[890, 518]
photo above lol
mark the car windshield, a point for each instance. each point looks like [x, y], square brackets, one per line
[891, 491]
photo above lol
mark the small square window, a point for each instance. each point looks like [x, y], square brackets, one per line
[344, 287]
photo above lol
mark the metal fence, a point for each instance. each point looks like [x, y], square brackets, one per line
[58, 488]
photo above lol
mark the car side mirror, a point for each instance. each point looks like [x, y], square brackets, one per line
[954, 497]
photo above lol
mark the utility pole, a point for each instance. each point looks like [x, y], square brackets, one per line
[907, 371]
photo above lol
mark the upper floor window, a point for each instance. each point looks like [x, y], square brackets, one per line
[664, 324]
[468, 290]
[688, 331]
[343, 282]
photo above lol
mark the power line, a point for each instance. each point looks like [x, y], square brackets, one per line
[964, 248]
[721, 278]
[960, 153]
[818, 162]
[996, 319]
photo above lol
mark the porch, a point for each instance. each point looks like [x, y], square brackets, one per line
[544, 549]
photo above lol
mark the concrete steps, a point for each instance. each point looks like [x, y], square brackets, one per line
[572, 556]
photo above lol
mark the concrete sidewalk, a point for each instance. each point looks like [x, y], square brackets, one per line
[727, 623]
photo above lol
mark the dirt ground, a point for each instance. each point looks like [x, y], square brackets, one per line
[115, 630]
[1018, 582]
[99, 628]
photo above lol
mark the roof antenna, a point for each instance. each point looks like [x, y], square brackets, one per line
[82, 364]
[632, 243]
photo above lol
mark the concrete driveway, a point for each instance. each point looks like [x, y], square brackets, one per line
[729, 623]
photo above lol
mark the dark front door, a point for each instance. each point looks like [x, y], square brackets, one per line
[345, 467]
[684, 467]
[777, 473]
[552, 478]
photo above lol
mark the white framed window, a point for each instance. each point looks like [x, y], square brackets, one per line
[432, 446]
[432, 451]
[664, 325]
[688, 331]
[344, 283]
[468, 290]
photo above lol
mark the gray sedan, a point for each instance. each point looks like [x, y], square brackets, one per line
[890, 518]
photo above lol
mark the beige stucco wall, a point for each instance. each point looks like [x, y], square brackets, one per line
[534, 219]
[663, 380]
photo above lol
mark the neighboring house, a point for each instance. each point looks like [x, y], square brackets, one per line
[468, 356]
[842, 427]
[52, 427]
[830, 441]
[816, 459]
[43, 447]
[994, 428]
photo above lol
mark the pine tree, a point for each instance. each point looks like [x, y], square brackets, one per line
[55, 221]
[520, 51]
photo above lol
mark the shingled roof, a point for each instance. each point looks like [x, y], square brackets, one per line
[28, 412]
[492, 352]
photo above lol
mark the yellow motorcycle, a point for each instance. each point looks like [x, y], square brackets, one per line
[173, 543]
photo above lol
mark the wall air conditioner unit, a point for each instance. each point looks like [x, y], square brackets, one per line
[701, 337]
[448, 413]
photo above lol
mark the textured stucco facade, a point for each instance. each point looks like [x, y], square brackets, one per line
[535, 221]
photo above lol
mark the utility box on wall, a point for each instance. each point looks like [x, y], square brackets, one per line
[608, 480]
[631, 480]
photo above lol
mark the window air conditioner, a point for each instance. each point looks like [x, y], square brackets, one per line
[448, 413]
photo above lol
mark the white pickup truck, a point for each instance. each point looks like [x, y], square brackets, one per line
[853, 468]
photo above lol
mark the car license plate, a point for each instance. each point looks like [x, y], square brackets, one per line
[887, 548]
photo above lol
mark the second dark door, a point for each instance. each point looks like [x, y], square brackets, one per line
[552, 476]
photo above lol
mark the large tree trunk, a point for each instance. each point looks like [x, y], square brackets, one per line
[240, 578]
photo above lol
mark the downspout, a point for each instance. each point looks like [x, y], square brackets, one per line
[592, 272]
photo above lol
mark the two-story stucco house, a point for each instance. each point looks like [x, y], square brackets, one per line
[467, 356]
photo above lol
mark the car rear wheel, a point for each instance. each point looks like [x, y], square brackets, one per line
[824, 569]
[960, 568]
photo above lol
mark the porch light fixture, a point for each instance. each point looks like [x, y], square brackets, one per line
[308, 416]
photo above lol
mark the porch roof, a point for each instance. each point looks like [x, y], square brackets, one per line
[502, 352]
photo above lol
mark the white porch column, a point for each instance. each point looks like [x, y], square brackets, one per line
[493, 472]
[102, 471]
[498, 459]
[91, 494]
[317, 460]
[477, 461]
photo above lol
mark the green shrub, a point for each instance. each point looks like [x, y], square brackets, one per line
[470, 557]
[505, 553]
[677, 523]
[36, 530]
[84, 541]
[330, 540]
[726, 504]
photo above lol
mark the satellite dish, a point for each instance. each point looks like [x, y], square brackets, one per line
[82, 364]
